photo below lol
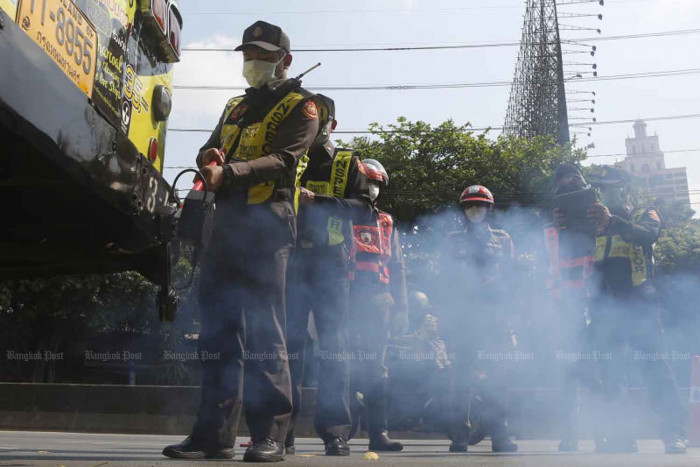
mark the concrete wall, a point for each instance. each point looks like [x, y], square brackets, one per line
[171, 410]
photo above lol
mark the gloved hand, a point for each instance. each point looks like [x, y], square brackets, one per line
[600, 215]
[306, 197]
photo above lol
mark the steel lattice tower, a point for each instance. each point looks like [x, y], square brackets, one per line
[537, 104]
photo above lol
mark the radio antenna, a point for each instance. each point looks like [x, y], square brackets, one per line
[308, 71]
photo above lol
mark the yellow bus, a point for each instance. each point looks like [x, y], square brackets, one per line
[85, 96]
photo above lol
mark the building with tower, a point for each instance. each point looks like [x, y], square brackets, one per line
[646, 162]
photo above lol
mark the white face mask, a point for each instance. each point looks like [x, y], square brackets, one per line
[373, 191]
[259, 72]
[476, 214]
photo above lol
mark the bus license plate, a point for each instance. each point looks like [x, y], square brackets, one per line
[65, 33]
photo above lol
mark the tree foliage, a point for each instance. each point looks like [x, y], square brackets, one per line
[429, 166]
[678, 250]
[73, 313]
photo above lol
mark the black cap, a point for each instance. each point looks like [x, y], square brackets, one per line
[568, 178]
[327, 114]
[566, 169]
[611, 176]
[266, 36]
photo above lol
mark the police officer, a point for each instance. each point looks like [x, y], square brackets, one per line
[626, 312]
[474, 268]
[417, 384]
[569, 245]
[258, 145]
[334, 190]
[379, 305]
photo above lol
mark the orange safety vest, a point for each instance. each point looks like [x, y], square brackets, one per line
[372, 246]
[561, 271]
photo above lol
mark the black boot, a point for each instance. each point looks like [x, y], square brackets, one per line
[458, 446]
[265, 450]
[503, 444]
[381, 442]
[337, 447]
[289, 443]
[460, 438]
[568, 445]
[195, 448]
[615, 445]
[675, 445]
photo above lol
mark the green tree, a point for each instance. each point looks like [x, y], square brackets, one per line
[430, 166]
[42, 315]
[61, 314]
[673, 213]
[678, 249]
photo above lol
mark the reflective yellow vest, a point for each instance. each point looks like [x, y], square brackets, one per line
[614, 246]
[255, 141]
[340, 170]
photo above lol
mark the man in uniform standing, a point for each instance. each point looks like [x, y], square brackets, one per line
[474, 269]
[259, 148]
[569, 247]
[626, 312]
[379, 306]
[334, 190]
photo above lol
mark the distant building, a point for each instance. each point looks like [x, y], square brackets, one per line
[645, 161]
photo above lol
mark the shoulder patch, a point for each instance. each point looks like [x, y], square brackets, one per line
[310, 110]
[238, 112]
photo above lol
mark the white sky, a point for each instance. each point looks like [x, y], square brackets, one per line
[209, 23]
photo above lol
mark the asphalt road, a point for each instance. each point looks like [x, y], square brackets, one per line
[80, 449]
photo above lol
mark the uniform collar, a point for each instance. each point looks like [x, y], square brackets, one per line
[271, 88]
[323, 153]
[480, 230]
[275, 84]
[267, 88]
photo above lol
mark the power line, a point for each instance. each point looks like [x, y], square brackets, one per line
[427, 86]
[471, 129]
[625, 154]
[651, 119]
[372, 49]
[512, 43]
[366, 87]
[393, 10]
[323, 12]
